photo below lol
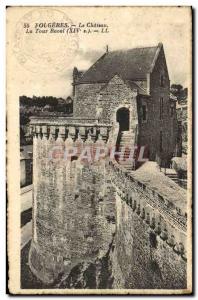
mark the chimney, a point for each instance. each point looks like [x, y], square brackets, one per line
[107, 48]
[75, 74]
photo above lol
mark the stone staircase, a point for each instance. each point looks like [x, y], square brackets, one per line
[173, 177]
[180, 182]
[125, 143]
[171, 173]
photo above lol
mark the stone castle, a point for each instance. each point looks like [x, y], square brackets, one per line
[123, 223]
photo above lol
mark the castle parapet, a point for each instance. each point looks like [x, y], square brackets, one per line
[69, 127]
[163, 217]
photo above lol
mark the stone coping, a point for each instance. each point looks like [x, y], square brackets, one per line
[68, 121]
[173, 212]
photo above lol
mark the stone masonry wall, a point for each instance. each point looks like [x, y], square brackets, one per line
[85, 100]
[167, 124]
[97, 216]
[114, 95]
[149, 248]
[72, 222]
[140, 258]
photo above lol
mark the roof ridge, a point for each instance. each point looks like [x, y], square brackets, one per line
[124, 50]
[159, 47]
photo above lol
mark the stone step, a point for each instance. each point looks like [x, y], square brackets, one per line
[126, 161]
[173, 177]
[122, 143]
[127, 137]
[128, 168]
[175, 180]
[126, 153]
[125, 164]
[126, 149]
[125, 145]
[126, 140]
[126, 133]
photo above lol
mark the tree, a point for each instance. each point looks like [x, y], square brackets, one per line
[178, 91]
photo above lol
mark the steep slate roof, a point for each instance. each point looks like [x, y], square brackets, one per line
[132, 64]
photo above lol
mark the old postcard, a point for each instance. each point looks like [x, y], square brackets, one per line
[99, 165]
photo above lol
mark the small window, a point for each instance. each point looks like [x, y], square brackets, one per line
[144, 113]
[161, 108]
[172, 109]
[161, 80]
[161, 142]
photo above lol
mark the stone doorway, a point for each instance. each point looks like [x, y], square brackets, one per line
[122, 117]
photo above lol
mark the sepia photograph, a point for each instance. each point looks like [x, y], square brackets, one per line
[99, 150]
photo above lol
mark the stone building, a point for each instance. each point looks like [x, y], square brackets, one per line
[131, 87]
[118, 227]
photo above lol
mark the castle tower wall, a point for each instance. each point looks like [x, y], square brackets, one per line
[70, 222]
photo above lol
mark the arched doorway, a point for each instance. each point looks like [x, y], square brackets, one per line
[122, 117]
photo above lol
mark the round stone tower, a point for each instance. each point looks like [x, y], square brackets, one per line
[70, 220]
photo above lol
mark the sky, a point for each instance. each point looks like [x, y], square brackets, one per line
[29, 54]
